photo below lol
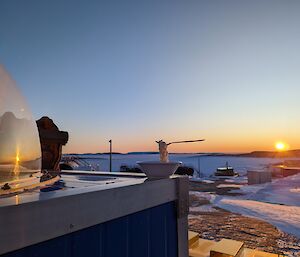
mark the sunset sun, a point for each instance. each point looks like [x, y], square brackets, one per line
[280, 146]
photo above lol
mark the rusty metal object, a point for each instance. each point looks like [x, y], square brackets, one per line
[52, 140]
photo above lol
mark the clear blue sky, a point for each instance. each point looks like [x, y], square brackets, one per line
[136, 71]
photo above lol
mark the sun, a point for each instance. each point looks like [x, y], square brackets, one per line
[280, 146]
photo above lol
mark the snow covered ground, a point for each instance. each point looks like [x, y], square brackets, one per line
[286, 218]
[277, 203]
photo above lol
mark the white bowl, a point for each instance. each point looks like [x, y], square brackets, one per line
[157, 169]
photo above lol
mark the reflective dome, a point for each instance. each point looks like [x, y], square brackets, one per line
[20, 150]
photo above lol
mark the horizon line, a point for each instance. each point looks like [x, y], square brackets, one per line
[156, 152]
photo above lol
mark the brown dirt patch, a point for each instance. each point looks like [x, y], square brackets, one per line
[256, 234]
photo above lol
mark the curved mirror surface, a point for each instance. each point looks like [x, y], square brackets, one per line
[20, 151]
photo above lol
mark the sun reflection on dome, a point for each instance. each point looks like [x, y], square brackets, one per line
[20, 151]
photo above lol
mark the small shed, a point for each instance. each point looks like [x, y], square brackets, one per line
[259, 176]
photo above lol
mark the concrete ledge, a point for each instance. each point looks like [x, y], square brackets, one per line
[37, 221]
[201, 248]
[193, 238]
[226, 248]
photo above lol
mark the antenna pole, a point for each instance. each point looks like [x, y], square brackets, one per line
[199, 172]
[110, 155]
[187, 141]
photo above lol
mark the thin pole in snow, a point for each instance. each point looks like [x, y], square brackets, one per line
[199, 172]
[110, 155]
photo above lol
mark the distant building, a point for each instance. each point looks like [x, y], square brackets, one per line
[259, 177]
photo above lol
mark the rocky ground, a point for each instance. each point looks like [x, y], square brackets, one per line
[215, 223]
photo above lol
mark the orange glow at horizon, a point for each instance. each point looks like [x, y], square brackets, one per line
[214, 144]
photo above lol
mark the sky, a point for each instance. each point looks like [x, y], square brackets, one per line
[139, 71]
